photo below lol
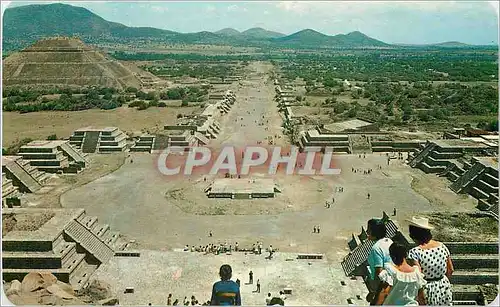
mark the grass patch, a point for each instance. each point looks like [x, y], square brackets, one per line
[463, 227]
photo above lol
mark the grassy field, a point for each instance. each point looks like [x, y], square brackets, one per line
[39, 125]
[474, 119]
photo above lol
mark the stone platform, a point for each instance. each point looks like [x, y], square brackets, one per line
[242, 188]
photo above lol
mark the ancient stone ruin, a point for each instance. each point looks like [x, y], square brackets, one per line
[65, 62]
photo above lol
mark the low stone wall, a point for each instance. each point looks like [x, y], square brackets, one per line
[46, 262]
[472, 247]
[26, 245]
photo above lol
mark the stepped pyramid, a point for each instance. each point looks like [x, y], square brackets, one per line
[65, 62]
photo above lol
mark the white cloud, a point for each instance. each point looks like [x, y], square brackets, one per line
[295, 6]
[495, 6]
[210, 9]
[159, 9]
[232, 8]
[236, 8]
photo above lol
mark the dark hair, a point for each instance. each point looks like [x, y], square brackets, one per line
[376, 228]
[398, 253]
[420, 235]
[225, 272]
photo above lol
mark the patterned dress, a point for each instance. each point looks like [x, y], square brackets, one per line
[437, 291]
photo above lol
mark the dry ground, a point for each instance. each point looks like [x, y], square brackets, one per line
[133, 200]
[99, 165]
[137, 206]
[39, 125]
[156, 274]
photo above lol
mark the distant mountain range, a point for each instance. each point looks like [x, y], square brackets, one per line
[25, 24]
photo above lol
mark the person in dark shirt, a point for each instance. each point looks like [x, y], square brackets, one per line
[225, 292]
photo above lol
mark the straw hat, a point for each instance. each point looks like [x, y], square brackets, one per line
[420, 222]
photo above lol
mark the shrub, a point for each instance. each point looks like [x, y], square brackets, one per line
[52, 137]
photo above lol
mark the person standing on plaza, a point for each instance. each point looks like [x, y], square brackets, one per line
[225, 292]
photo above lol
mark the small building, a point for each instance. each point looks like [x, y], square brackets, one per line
[91, 139]
[53, 156]
[353, 125]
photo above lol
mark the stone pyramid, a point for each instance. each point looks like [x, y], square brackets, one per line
[65, 62]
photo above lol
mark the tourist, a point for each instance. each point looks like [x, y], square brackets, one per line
[434, 259]
[314, 229]
[379, 256]
[169, 299]
[402, 283]
[394, 212]
[193, 300]
[282, 296]
[236, 247]
[268, 299]
[210, 234]
[176, 302]
[250, 277]
[317, 227]
[225, 292]
[260, 248]
[368, 196]
[186, 302]
[258, 286]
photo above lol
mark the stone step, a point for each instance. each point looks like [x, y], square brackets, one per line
[65, 250]
[474, 277]
[81, 276]
[111, 238]
[102, 231]
[89, 241]
[6, 191]
[478, 193]
[91, 222]
[474, 261]
[486, 187]
[464, 303]
[73, 262]
[492, 180]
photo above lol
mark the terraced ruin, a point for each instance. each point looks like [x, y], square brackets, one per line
[65, 62]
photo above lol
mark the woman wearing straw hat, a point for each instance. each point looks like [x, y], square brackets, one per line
[434, 259]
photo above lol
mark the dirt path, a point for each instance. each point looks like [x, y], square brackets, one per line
[255, 115]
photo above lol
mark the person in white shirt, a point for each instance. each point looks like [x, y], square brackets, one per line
[403, 285]
[282, 295]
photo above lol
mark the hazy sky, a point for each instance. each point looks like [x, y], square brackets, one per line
[474, 22]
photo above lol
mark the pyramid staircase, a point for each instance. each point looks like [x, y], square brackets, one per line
[356, 260]
[10, 193]
[25, 176]
[419, 156]
[89, 144]
[145, 143]
[359, 144]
